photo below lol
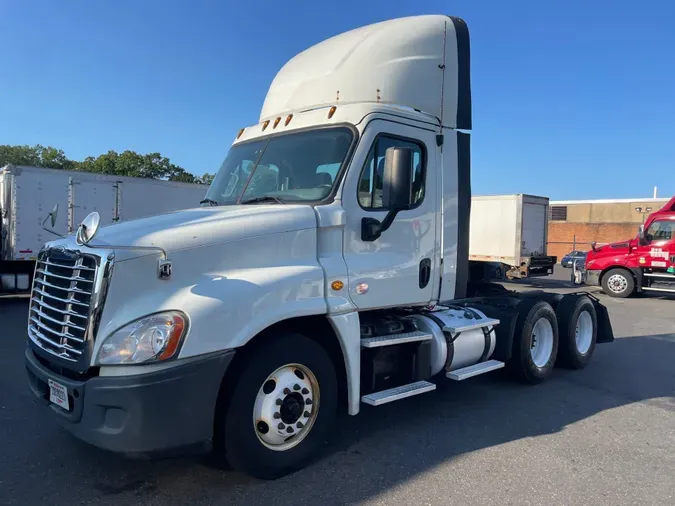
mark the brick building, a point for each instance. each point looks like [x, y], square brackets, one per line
[575, 224]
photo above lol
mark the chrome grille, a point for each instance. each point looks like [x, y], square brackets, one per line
[61, 303]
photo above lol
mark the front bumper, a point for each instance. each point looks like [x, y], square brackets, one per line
[154, 412]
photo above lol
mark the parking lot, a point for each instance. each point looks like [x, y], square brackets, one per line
[603, 435]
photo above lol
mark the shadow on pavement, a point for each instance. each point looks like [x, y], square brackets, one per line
[376, 451]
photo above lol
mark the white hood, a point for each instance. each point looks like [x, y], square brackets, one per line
[197, 227]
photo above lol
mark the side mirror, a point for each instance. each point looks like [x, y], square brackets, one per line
[641, 235]
[396, 191]
[397, 179]
[53, 214]
[52, 219]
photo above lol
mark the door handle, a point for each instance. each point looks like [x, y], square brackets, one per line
[425, 272]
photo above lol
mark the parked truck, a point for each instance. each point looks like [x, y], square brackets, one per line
[510, 231]
[27, 193]
[326, 270]
[645, 263]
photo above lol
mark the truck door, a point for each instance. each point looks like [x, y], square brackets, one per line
[659, 252]
[401, 266]
[88, 195]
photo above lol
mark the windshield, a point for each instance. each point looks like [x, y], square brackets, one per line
[288, 168]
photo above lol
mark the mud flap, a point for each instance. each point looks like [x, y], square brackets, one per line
[605, 331]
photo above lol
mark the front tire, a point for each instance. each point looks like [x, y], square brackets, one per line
[282, 407]
[535, 344]
[618, 283]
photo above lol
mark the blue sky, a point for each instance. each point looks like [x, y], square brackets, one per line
[572, 99]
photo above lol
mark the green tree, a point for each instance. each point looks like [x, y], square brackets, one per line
[127, 163]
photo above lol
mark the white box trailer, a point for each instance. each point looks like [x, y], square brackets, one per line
[28, 194]
[511, 230]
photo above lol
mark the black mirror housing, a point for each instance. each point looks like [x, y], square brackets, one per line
[397, 179]
[397, 191]
[641, 235]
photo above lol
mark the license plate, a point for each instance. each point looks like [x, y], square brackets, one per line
[58, 394]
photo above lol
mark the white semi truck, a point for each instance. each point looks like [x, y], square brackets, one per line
[326, 270]
[27, 193]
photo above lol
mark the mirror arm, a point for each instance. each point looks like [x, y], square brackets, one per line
[372, 229]
[47, 229]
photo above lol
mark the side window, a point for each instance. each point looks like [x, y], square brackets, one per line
[370, 183]
[661, 231]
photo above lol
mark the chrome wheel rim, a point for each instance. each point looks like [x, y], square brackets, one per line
[617, 283]
[286, 407]
[542, 342]
[584, 332]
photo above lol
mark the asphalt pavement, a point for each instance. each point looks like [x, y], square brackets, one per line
[604, 436]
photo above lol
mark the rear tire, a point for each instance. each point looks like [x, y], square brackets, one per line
[578, 331]
[254, 441]
[618, 283]
[535, 344]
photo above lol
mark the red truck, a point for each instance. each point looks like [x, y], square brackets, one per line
[644, 263]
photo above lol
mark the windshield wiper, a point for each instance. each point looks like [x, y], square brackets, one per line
[210, 202]
[263, 198]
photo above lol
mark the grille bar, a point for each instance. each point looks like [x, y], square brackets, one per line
[60, 309]
[82, 267]
[62, 335]
[65, 347]
[42, 303]
[64, 301]
[54, 320]
[65, 289]
[67, 278]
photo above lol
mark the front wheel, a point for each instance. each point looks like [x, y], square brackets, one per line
[618, 283]
[282, 407]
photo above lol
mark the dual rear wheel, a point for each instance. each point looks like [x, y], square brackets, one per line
[544, 337]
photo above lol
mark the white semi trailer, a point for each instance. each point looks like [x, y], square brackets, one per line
[28, 193]
[327, 270]
[510, 231]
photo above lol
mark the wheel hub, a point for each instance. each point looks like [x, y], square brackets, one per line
[617, 283]
[286, 407]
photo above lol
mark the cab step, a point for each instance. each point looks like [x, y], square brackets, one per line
[667, 289]
[474, 370]
[398, 393]
[664, 275]
[390, 340]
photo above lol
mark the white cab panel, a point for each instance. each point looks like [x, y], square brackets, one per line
[387, 271]
[453, 214]
[419, 62]
[205, 226]
[230, 291]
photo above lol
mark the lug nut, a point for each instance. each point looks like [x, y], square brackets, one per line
[305, 391]
[277, 415]
[299, 425]
[296, 387]
[308, 402]
[281, 426]
[306, 413]
[287, 391]
[289, 429]
[279, 402]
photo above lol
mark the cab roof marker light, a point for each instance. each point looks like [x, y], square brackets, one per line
[265, 124]
[331, 111]
[276, 122]
[240, 132]
[288, 119]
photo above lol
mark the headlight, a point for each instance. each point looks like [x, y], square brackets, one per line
[151, 339]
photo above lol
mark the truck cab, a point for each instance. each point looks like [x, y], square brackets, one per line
[645, 263]
[326, 269]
